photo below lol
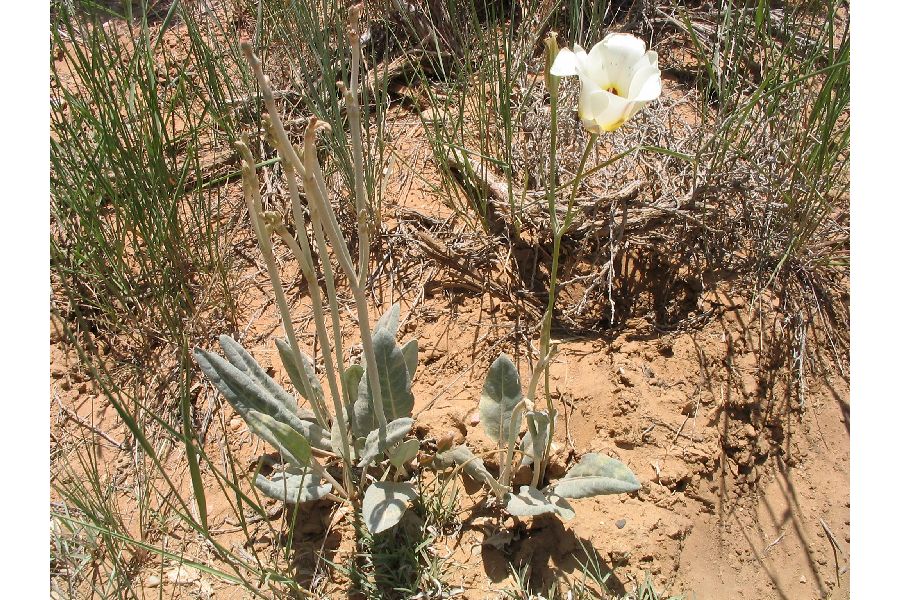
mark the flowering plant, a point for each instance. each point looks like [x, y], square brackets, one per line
[618, 78]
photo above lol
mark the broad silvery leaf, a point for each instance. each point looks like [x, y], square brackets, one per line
[376, 444]
[597, 474]
[384, 504]
[618, 78]
[499, 396]
[352, 376]
[538, 431]
[297, 378]
[336, 439]
[471, 466]
[389, 321]
[404, 452]
[293, 446]
[294, 488]
[530, 502]
[244, 394]
[240, 358]
[396, 389]
[410, 352]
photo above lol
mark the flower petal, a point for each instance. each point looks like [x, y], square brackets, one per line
[595, 65]
[625, 44]
[615, 113]
[565, 64]
[569, 63]
[622, 55]
[645, 85]
[591, 103]
[634, 108]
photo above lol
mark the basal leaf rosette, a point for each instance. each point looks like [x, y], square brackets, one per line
[618, 78]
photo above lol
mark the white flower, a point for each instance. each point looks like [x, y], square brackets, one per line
[618, 77]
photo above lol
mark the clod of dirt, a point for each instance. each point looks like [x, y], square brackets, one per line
[626, 378]
[665, 348]
[523, 475]
[559, 462]
[183, 575]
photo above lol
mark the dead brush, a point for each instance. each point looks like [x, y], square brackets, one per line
[741, 167]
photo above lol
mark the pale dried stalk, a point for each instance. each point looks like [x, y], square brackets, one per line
[353, 115]
[314, 184]
[254, 205]
[303, 254]
[321, 212]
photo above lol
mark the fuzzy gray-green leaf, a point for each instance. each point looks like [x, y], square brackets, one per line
[241, 391]
[539, 422]
[597, 474]
[243, 360]
[410, 352]
[375, 444]
[294, 447]
[293, 488]
[471, 466]
[384, 504]
[244, 394]
[296, 377]
[337, 440]
[389, 321]
[404, 452]
[530, 502]
[499, 396]
[352, 376]
[396, 391]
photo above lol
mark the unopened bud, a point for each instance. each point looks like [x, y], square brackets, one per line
[551, 50]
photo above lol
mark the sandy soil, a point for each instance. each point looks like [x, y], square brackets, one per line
[744, 481]
[741, 481]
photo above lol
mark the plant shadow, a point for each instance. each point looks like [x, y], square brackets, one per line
[548, 553]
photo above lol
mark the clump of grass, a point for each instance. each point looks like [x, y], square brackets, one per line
[403, 562]
[133, 229]
[137, 258]
[777, 97]
[741, 167]
[593, 583]
[775, 159]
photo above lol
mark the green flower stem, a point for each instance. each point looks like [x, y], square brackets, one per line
[293, 165]
[536, 469]
[558, 232]
[506, 473]
[319, 470]
[303, 253]
[321, 331]
[539, 368]
[320, 209]
[277, 126]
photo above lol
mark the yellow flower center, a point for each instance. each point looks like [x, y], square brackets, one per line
[613, 90]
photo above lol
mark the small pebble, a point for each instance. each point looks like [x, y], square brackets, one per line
[152, 581]
[183, 575]
[803, 579]
[234, 424]
[620, 523]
